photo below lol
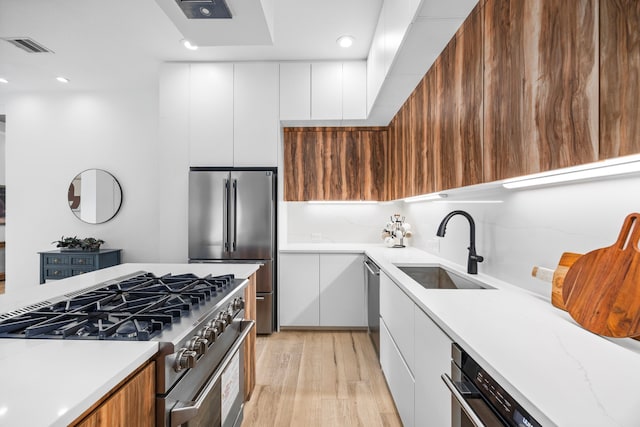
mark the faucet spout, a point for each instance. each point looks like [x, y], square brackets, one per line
[473, 258]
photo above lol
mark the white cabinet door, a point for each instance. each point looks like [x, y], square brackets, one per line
[326, 91]
[396, 308]
[399, 379]
[433, 353]
[211, 114]
[342, 292]
[375, 64]
[354, 90]
[256, 123]
[298, 290]
[295, 91]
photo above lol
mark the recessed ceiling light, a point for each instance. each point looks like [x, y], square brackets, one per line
[2, 80]
[345, 41]
[186, 43]
[62, 79]
[205, 11]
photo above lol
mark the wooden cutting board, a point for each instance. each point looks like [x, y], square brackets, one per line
[557, 276]
[601, 290]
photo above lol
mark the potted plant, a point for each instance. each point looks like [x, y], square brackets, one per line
[76, 244]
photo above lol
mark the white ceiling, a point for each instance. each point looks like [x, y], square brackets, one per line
[118, 44]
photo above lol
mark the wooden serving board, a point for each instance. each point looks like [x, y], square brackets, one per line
[601, 290]
[557, 276]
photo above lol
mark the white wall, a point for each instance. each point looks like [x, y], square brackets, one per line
[337, 223]
[52, 137]
[530, 227]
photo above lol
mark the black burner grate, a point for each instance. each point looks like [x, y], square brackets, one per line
[134, 309]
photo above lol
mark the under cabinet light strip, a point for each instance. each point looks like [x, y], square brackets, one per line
[425, 197]
[342, 202]
[611, 167]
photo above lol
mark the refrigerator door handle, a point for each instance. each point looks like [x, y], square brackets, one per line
[235, 215]
[225, 216]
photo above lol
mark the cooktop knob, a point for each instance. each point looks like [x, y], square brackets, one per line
[238, 303]
[209, 332]
[185, 359]
[198, 344]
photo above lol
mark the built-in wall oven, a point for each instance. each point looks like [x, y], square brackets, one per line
[372, 281]
[477, 400]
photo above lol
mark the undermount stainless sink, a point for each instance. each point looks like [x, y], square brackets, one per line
[439, 278]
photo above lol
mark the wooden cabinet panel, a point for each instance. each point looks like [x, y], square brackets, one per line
[540, 86]
[422, 150]
[458, 148]
[133, 404]
[250, 342]
[619, 78]
[373, 158]
[334, 163]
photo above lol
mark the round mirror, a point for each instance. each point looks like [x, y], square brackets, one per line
[94, 196]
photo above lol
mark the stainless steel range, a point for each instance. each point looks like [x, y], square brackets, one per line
[198, 321]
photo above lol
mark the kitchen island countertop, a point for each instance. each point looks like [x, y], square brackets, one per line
[52, 382]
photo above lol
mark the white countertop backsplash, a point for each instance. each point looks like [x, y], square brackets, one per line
[563, 374]
[51, 382]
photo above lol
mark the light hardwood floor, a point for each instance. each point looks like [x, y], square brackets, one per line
[318, 378]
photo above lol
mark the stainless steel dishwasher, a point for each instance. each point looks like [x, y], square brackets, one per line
[372, 275]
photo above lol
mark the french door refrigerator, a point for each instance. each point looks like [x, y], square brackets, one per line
[232, 218]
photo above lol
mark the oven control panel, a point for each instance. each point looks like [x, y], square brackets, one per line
[187, 357]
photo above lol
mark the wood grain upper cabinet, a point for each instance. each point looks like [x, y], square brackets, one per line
[458, 113]
[619, 78]
[540, 86]
[334, 164]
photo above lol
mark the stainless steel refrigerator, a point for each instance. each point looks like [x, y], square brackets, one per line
[232, 218]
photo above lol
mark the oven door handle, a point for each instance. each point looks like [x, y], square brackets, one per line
[182, 414]
[477, 422]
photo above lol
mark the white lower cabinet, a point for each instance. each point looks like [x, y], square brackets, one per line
[322, 290]
[414, 353]
[298, 290]
[433, 358]
[398, 376]
[396, 308]
[342, 292]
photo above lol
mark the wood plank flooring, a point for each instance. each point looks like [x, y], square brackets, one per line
[318, 378]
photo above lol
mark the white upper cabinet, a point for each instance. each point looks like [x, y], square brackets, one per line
[354, 90]
[323, 91]
[210, 115]
[230, 112]
[375, 64]
[295, 91]
[326, 91]
[255, 109]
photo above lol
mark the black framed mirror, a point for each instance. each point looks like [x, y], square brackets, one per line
[94, 196]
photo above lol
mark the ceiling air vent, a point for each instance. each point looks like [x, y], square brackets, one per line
[25, 43]
[205, 9]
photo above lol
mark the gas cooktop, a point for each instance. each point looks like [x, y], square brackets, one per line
[136, 308]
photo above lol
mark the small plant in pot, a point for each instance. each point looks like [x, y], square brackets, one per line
[76, 244]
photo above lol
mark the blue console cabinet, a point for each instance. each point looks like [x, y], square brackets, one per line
[59, 264]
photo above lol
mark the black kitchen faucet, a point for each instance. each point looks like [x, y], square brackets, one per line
[473, 259]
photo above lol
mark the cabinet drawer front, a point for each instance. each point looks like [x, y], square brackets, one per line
[82, 260]
[76, 271]
[57, 273]
[56, 259]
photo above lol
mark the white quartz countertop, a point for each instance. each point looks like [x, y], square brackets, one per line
[562, 374]
[52, 382]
